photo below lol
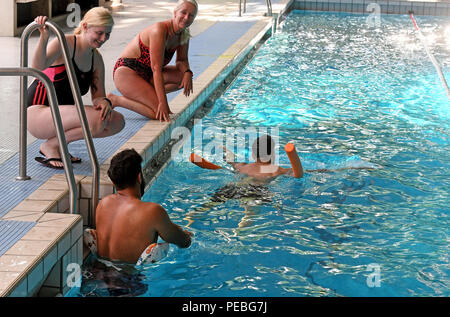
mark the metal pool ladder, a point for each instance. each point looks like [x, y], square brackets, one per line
[269, 7]
[25, 71]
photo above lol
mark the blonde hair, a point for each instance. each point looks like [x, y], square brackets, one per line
[186, 35]
[97, 16]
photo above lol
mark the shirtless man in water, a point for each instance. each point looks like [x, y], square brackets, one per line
[262, 170]
[263, 152]
[125, 224]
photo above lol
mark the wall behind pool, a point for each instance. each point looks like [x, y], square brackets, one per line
[375, 6]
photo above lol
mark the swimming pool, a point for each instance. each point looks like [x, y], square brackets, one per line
[347, 94]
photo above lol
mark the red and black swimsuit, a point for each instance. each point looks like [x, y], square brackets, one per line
[143, 65]
[37, 94]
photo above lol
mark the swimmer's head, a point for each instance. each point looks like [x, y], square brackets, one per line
[125, 168]
[263, 149]
[184, 14]
[98, 23]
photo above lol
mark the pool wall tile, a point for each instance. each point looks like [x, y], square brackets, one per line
[346, 7]
[358, 7]
[441, 9]
[405, 7]
[64, 204]
[333, 6]
[54, 277]
[50, 259]
[386, 7]
[63, 245]
[430, 8]
[35, 278]
[418, 8]
[84, 209]
[66, 260]
[21, 290]
[79, 251]
[307, 5]
[76, 232]
[395, 7]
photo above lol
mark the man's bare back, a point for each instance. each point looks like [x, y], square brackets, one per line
[260, 171]
[126, 227]
[125, 224]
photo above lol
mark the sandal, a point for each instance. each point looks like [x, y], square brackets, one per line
[74, 161]
[46, 162]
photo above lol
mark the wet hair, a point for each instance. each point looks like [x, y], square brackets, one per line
[97, 16]
[125, 168]
[186, 35]
[263, 148]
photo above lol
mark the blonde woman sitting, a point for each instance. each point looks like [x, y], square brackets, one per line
[141, 73]
[93, 31]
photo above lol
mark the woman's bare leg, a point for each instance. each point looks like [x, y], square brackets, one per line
[137, 94]
[40, 125]
[136, 106]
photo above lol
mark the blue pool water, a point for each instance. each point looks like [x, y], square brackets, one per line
[347, 94]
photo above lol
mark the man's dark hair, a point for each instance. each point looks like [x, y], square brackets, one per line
[263, 148]
[125, 168]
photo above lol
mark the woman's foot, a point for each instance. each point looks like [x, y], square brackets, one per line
[51, 153]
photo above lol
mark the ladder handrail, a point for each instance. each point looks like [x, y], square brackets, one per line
[25, 71]
[78, 103]
[269, 7]
[240, 5]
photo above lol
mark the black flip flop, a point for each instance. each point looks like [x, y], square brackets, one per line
[46, 162]
[78, 160]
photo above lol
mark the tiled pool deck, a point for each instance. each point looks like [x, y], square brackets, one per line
[38, 238]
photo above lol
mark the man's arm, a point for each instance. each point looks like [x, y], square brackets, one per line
[169, 231]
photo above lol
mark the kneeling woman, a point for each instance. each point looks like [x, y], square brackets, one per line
[93, 31]
[141, 73]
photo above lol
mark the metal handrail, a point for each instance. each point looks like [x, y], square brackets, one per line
[25, 71]
[78, 103]
[269, 7]
[240, 6]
